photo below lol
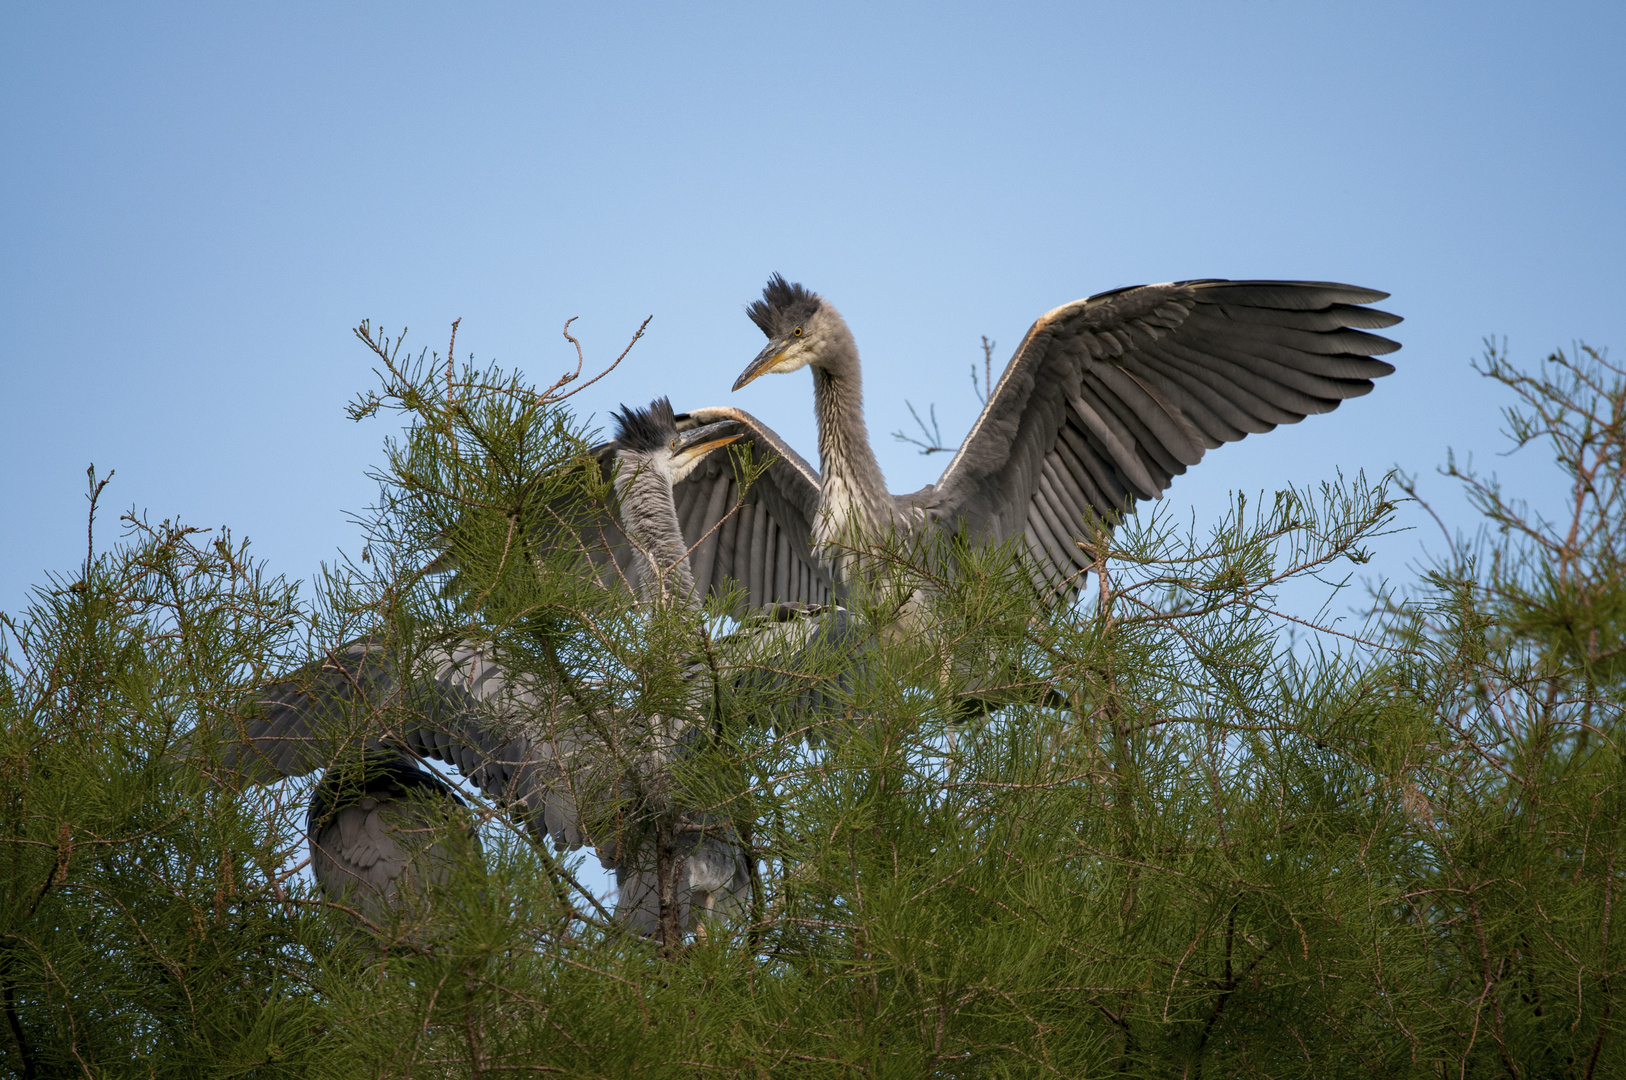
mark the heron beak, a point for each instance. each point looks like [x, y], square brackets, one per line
[696, 444]
[765, 361]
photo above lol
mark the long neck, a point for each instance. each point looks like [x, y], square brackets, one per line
[649, 517]
[847, 464]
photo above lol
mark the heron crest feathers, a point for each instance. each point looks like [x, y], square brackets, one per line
[784, 304]
[645, 430]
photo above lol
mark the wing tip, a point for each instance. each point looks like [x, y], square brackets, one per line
[1321, 294]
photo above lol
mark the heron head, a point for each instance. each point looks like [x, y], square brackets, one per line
[795, 320]
[651, 436]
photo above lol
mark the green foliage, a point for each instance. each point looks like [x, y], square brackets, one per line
[1210, 828]
[144, 923]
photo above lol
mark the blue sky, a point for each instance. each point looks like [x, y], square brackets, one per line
[199, 202]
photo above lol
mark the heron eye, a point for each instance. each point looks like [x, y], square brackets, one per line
[797, 332]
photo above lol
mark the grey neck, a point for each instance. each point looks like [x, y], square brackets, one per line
[649, 518]
[845, 456]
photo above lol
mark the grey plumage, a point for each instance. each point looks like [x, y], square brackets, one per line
[463, 706]
[651, 454]
[772, 652]
[1105, 401]
[456, 705]
[734, 528]
[384, 834]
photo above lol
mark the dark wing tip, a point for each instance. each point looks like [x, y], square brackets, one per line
[1289, 295]
[1365, 318]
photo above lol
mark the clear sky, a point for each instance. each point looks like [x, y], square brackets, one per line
[197, 203]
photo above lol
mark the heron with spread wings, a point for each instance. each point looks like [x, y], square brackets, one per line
[1106, 400]
[373, 718]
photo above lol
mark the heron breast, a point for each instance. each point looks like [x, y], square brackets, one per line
[838, 513]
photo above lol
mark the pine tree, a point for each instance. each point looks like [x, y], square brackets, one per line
[1211, 827]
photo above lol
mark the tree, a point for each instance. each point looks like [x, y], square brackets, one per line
[1209, 833]
[147, 916]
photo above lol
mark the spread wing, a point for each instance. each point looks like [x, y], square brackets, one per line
[760, 547]
[463, 708]
[376, 820]
[1109, 398]
[763, 547]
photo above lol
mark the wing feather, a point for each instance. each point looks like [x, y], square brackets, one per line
[1278, 366]
[693, 505]
[1069, 455]
[788, 490]
[758, 541]
[1159, 463]
[1110, 397]
[1098, 466]
[1318, 343]
[1174, 433]
[742, 549]
[1048, 503]
[774, 523]
[1240, 344]
[684, 502]
[781, 568]
[1043, 569]
[725, 566]
[1218, 418]
[1332, 317]
[1070, 500]
[1227, 382]
[1055, 548]
[704, 559]
[1117, 440]
[1287, 295]
[458, 706]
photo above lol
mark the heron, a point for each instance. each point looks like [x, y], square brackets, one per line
[1103, 403]
[463, 706]
[384, 833]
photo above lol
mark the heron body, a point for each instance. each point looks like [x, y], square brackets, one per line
[713, 870]
[383, 836]
[1105, 401]
[365, 711]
